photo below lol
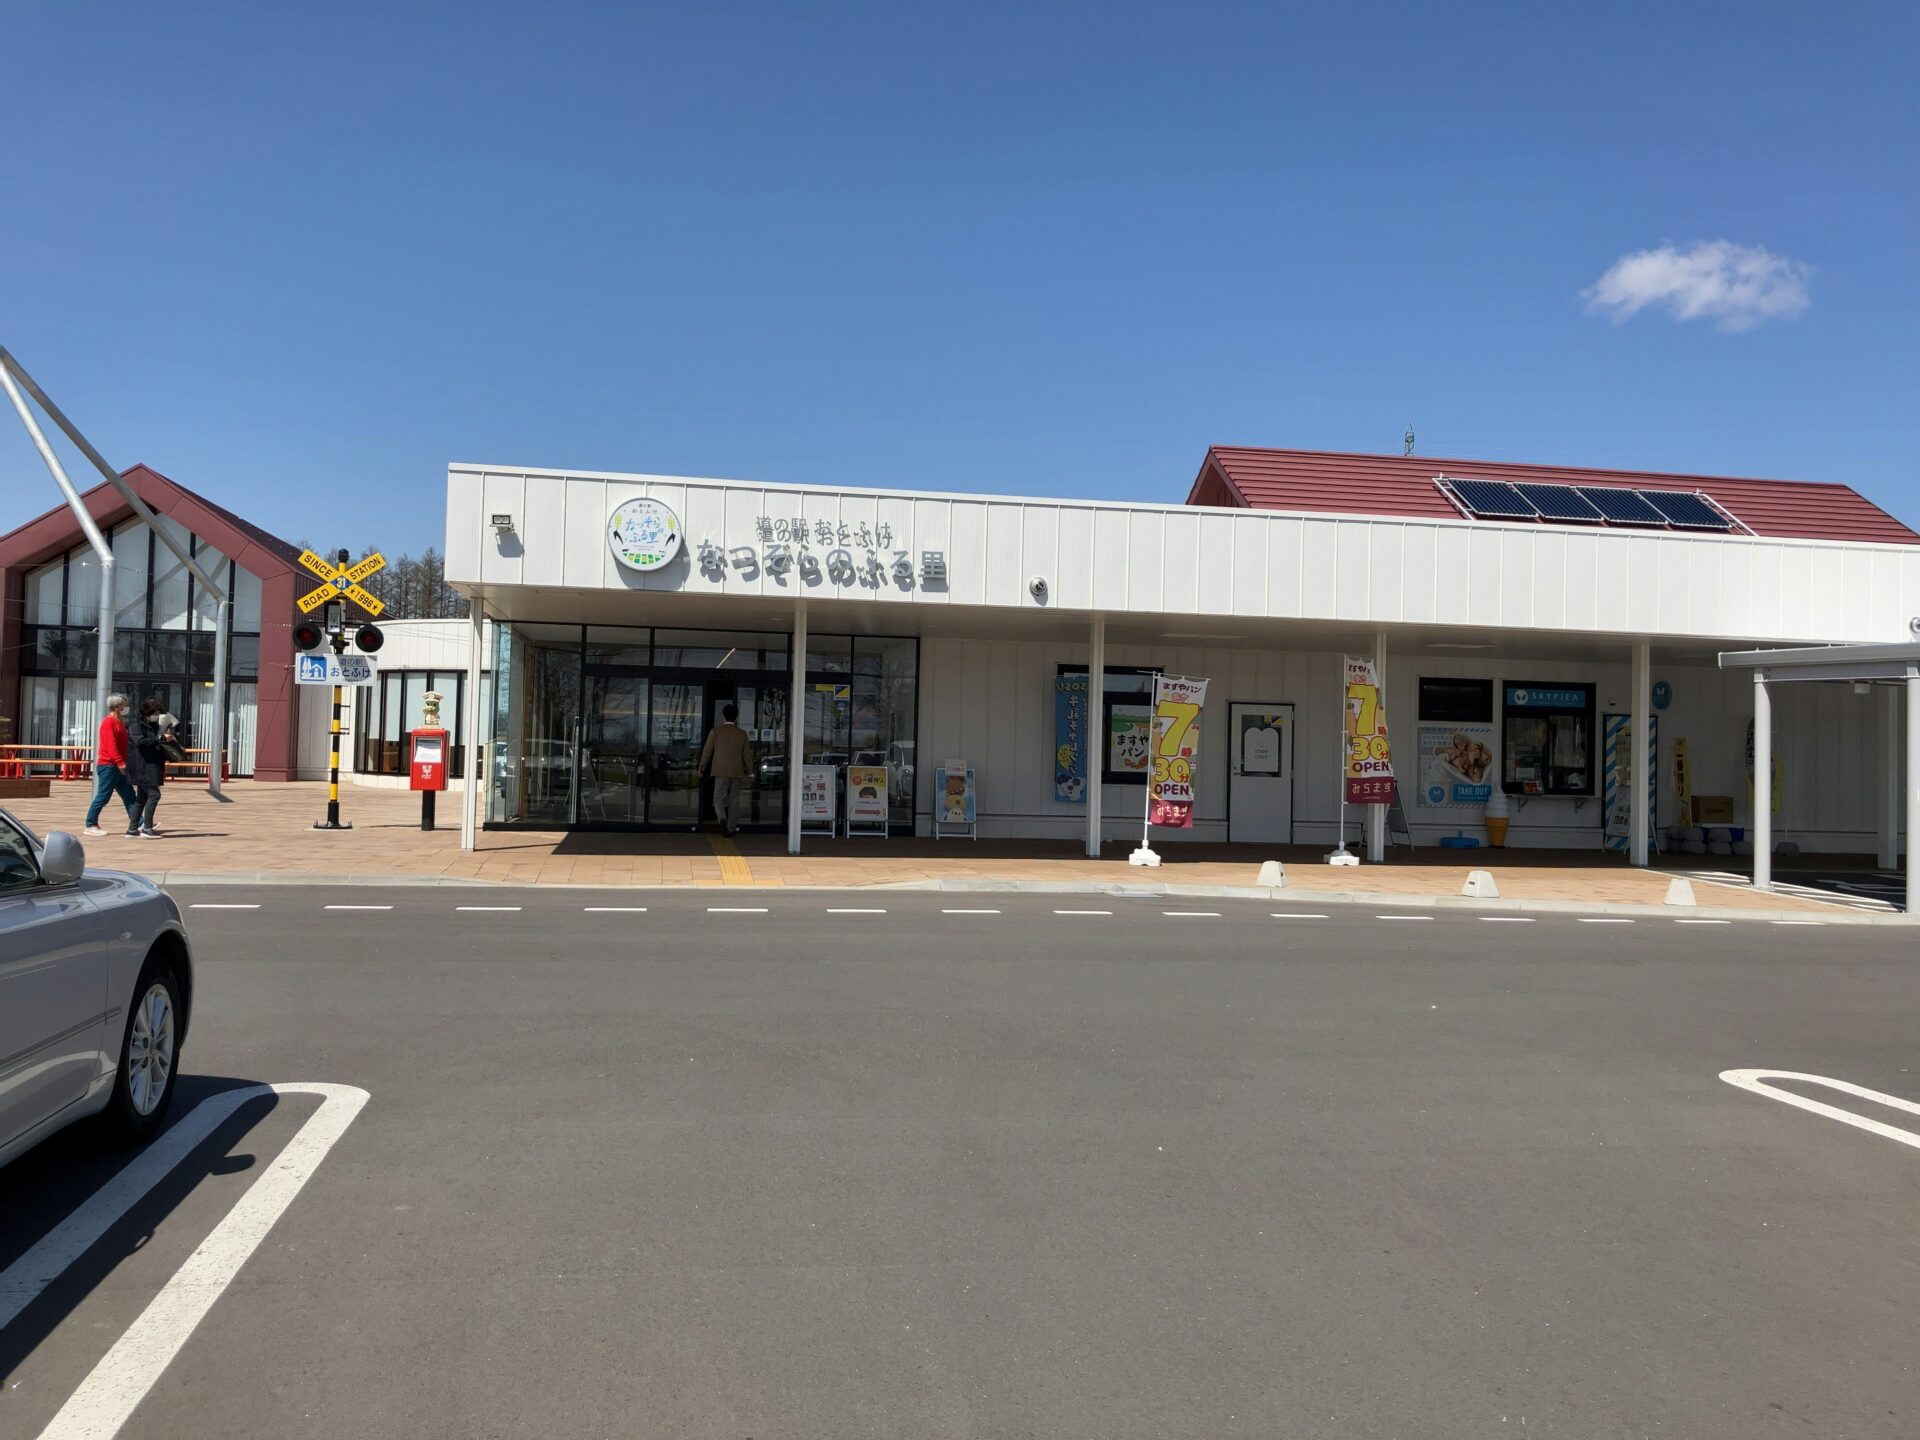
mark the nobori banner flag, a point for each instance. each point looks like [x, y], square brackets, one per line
[1369, 757]
[1176, 749]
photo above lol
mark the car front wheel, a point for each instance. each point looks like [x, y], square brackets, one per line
[149, 1055]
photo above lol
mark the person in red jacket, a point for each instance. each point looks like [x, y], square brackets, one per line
[110, 768]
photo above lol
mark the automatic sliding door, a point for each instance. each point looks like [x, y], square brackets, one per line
[678, 711]
[613, 755]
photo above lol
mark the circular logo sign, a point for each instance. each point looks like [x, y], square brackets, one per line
[1662, 694]
[645, 534]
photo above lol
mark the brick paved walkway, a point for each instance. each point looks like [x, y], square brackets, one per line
[266, 830]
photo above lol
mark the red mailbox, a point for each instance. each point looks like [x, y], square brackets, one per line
[427, 767]
[427, 759]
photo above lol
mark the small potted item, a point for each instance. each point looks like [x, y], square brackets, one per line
[1496, 820]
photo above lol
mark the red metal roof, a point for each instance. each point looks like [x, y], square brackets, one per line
[1327, 482]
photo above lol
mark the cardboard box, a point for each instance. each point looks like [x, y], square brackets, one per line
[1713, 810]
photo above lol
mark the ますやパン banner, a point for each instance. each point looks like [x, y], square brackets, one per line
[1176, 749]
[1369, 757]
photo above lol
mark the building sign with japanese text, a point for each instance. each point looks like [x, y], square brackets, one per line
[839, 552]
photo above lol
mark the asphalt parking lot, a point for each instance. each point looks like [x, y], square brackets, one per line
[764, 1164]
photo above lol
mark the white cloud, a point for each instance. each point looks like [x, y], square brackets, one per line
[1735, 286]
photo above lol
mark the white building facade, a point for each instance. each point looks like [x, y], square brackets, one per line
[949, 627]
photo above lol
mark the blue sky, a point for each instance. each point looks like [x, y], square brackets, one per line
[300, 258]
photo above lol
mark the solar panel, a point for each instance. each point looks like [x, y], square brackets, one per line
[1494, 498]
[1685, 510]
[1622, 507]
[1559, 502]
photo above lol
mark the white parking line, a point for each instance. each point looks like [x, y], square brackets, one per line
[614, 909]
[1191, 914]
[852, 910]
[127, 1371]
[969, 912]
[1083, 912]
[1603, 920]
[736, 909]
[1296, 915]
[1506, 919]
[487, 907]
[359, 907]
[1755, 1080]
[206, 905]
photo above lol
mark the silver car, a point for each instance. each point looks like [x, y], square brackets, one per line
[96, 984]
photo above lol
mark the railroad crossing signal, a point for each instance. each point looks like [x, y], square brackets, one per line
[342, 580]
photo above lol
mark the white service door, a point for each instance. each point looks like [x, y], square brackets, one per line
[1260, 773]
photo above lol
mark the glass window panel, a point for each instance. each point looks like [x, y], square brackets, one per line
[167, 653]
[130, 543]
[616, 645]
[130, 652]
[243, 655]
[243, 725]
[42, 710]
[77, 714]
[536, 724]
[83, 588]
[170, 578]
[720, 649]
[830, 654]
[246, 599]
[64, 650]
[206, 610]
[390, 705]
[43, 594]
[413, 702]
[885, 710]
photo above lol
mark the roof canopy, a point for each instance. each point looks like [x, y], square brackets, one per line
[1326, 482]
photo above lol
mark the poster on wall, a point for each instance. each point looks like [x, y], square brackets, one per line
[817, 797]
[1618, 770]
[1070, 734]
[1130, 740]
[1682, 781]
[1176, 749]
[867, 795]
[1456, 766]
[1369, 769]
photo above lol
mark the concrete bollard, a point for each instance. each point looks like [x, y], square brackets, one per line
[1679, 891]
[1480, 886]
[1273, 874]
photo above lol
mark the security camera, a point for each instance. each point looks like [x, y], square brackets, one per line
[1037, 587]
[1913, 625]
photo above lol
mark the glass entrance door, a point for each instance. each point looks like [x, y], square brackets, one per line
[613, 753]
[679, 713]
[763, 715]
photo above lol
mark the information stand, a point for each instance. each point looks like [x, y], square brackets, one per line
[819, 799]
[953, 803]
[867, 801]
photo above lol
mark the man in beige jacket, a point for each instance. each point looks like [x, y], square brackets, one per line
[728, 757]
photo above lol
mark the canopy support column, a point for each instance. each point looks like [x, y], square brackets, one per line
[796, 720]
[1096, 735]
[1762, 783]
[1640, 728]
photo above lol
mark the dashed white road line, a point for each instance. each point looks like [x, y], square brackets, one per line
[358, 907]
[736, 909]
[969, 912]
[1703, 922]
[490, 908]
[1403, 917]
[1083, 912]
[1506, 919]
[1798, 922]
[1296, 915]
[614, 909]
[209, 905]
[114, 1387]
[1756, 1081]
[1191, 914]
[1603, 920]
[852, 910]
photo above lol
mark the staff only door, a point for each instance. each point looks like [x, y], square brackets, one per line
[1260, 773]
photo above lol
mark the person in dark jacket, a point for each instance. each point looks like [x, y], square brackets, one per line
[147, 765]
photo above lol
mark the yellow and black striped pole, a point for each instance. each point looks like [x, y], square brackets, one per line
[333, 820]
